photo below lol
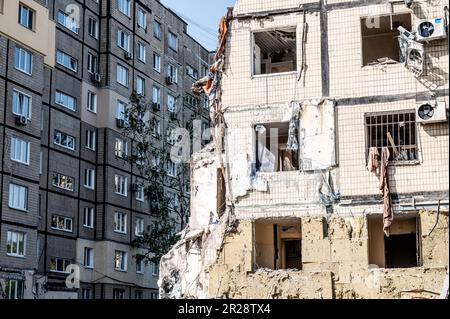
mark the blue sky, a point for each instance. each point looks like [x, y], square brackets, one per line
[202, 16]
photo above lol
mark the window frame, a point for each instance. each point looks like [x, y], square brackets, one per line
[92, 102]
[31, 14]
[65, 219]
[69, 23]
[93, 23]
[91, 140]
[27, 150]
[55, 132]
[412, 115]
[64, 56]
[88, 254]
[66, 262]
[13, 187]
[120, 6]
[21, 253]
[28, 60]
[120, 222]
[122, 70]
[171, 36]
[59, 176]
[63, 96]
[139, 227]
[89, 178]
[123, 261]
[123, 185]
[16, 96]
[88, 216]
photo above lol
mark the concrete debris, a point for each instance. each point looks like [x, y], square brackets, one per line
[317, 128]
[292, 144]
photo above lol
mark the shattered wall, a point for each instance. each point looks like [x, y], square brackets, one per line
[332, 194]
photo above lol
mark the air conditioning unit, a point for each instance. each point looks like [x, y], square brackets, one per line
[156, 106]
[169, 80]
[173, 116]
[431, 112]
[428, 30]
[120, 123]
[96, 77]
[21, 120]
[128, 56]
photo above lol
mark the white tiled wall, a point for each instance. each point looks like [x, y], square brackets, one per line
[250, 100]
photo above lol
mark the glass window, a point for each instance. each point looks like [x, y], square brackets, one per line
[121, 260]
[15, 244]
[67, 61]
[26, 16]
[124, 6]
[20, 150]
[64, 140]
[157, 29]
[120, 183]
[141, 52]
[18, 197]
[141, 19]
[62, 181]
[157, 62]
[88, 257]
[67, 21]
[21, 104]
[92, 102]
[173, 41]
[123, 40]
[66, 100]
[122, 75]
[88, 217]
[23, 60]
[62, 223]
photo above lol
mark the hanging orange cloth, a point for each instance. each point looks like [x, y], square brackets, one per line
[388, 213]
[223, 32]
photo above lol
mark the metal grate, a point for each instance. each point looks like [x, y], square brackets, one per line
[396, 131]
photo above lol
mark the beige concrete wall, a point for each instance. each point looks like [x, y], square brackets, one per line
[41, 39]
[335, 266]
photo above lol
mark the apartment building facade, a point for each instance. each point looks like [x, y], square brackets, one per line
[70, 205]
[326, 139]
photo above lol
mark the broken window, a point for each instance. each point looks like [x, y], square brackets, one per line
[401, 249]
[272, 153]
[380, 34]
[278, 245]
[275, 51]
[394, 130]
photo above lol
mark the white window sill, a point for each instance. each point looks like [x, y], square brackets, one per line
[89, 267]
[256, 76]
[20, 162]
[19, 209]
[120, 270]
[120, 232]
[89, 187]
[120, 194]
[89, 227]
[23, 71]
[63, 230]
[16, 256]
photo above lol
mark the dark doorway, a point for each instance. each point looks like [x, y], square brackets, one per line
[401, 251]
[293, 253]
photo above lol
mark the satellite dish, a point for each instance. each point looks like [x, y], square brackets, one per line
[425, 111]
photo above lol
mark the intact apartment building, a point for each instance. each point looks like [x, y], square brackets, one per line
[69, 194]
[313, 95]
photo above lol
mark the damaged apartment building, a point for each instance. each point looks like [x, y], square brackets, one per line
[330, 156]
